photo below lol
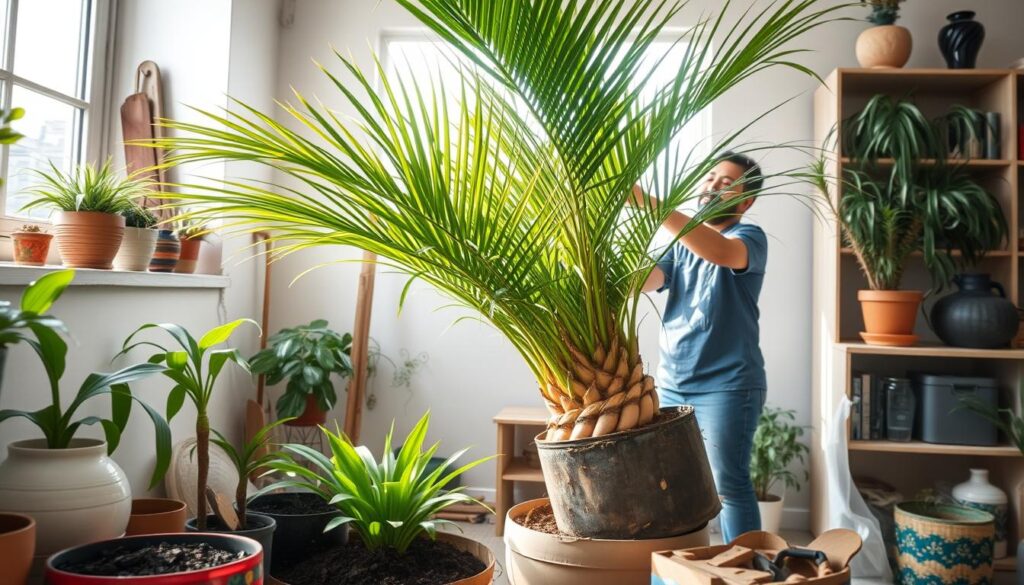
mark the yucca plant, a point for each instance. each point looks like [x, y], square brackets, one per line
[86, 188]
[390, 502]
[513, 202]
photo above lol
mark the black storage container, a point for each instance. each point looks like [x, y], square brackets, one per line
[940, 418]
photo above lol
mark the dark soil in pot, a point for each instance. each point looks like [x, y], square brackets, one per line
[426, 562]
[301, 519]
[158, 559]
[540, 519]
[258, 527]
[291, 505]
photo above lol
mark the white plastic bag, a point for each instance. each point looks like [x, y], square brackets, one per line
[847, 508]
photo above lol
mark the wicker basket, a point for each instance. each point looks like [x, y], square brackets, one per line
[943, 544]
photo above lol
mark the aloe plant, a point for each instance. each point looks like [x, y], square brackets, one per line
[512, 201]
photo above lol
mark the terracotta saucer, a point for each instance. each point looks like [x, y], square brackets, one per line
[889, 339]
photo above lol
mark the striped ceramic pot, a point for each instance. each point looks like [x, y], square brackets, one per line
[165, 257]
[942, 544]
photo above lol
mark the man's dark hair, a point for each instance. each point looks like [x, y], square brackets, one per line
[752, 180]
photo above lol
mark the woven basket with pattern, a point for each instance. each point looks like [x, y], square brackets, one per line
[944, 544]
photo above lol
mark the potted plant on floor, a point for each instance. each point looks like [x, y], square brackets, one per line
[885, 45]
[390, 506]
[89, 202]
[520, 213]
[17, 546]
[139, 240]
[776, 446]
[69, 485]
[31, 245]
[193, 367]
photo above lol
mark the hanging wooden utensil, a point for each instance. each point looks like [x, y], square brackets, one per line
[138, 114]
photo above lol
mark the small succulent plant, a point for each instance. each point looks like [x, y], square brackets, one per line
[883, 11]
[137, 216]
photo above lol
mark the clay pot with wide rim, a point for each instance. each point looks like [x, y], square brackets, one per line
[156, 516]
[885, 46]
[538, 558]
[17, 546]
[136, 249]
[88, 239]
[75, 495]
[31, 248]
[189, 256]
[245, 571]
[889, 316]
[771, 513]
[312, 416]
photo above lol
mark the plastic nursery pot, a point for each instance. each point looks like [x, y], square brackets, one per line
[312, 416]
[258, 527]
[189, 256]
[31, 248]
[17, 545]
[300, 518]
[88, 239]
[244, 571]
[889, 315]
[156, 516]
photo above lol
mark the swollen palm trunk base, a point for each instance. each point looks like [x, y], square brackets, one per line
[652, 482]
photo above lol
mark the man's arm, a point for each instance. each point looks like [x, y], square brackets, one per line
[655, 280]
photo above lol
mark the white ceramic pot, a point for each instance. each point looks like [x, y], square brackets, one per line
[76, 495]
[978, 493]
[136, 249]
[771, 514]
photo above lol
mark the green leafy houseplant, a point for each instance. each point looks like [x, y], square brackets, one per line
[193, 367]
[136, 216]
[250, 458]
[513, 201]
[776, 446]
[86, 188]
[389, 503]
[58, 426]
[883, 11]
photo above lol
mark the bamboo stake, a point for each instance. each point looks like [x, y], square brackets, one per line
[360, 348]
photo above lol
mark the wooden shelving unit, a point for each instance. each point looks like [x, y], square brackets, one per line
[512, 468]
[838, 351]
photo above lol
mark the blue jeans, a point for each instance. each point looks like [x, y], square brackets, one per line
[728, 419]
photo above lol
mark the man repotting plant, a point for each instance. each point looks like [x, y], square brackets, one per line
[776, 446]
[513, 202]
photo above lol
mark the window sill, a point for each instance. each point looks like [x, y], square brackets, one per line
[15, 275]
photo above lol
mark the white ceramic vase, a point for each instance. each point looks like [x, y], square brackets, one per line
[771, 514]
[76, 495]
[978, 493]
[136, 249]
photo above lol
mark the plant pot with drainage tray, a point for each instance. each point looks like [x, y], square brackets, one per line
[301, 518]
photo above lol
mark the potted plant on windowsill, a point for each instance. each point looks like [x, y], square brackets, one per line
[31, 245]
[89, 202]
[139, 240]
[190, 234]
[69, 485]
[885, 45]
[776, 446]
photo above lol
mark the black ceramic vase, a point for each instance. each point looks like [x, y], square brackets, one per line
[961, 39]
[973, 316]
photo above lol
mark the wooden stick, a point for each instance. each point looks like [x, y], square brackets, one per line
[265, 323]
[360, 348]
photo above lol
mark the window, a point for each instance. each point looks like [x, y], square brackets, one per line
[49, 51]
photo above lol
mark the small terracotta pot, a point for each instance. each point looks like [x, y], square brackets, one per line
[311, 417]
[884, 47]
[31, 248]
[189, 255]
[156, 516]
[17, 545]
[890, 312]
[88, 239]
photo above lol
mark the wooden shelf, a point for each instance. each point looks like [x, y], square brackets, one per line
[522, 415]
[926, 350]
[519, 470]
[1006, 564]
[956, 253]
[898, 81]
[921, 448]
[927, 162]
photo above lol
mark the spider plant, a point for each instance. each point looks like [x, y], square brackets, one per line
[389, 503]
[253, 456]
[194, 370]
[512, 201]
[86, 188]
[890, 128]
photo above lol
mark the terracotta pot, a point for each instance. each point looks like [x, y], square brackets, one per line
[31, 248]
[189, 255]
[536, 558]
[136, 249]
[889, 312]
[75, 495]
[156, 516]
[244, 571]
[88, 239]
[884, 47]
[771, 513]
[168, 248]
[312, 416]
[17, 545]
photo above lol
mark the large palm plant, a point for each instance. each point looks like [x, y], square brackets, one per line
[517, 212]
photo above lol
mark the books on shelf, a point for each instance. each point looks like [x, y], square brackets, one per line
[856, 411]
[867, 415]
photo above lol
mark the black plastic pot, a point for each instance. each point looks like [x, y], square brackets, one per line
[653, 482]
[258, 527]
[298, 535]
[974, 316]
[961, 39]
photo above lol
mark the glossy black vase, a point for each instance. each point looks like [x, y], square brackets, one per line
[973, 316]
[961, 39]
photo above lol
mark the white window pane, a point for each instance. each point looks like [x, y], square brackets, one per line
[48, 43]
[50, 130]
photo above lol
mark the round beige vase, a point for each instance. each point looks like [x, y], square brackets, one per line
[537, 558]
[886, 46]
[137, 247]
[76, 495]
[88, 239]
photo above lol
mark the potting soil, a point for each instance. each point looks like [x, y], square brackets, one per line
[160, 559]
[540, 519]
[291, 504]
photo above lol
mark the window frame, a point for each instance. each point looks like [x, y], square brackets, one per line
[91, 124]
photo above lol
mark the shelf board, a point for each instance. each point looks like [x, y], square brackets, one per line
[519, 470]
[1005, 564]
[856, 80]
[956, 253]
[927, 162]
[931, 350]
[522, 415]
[920, 448]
